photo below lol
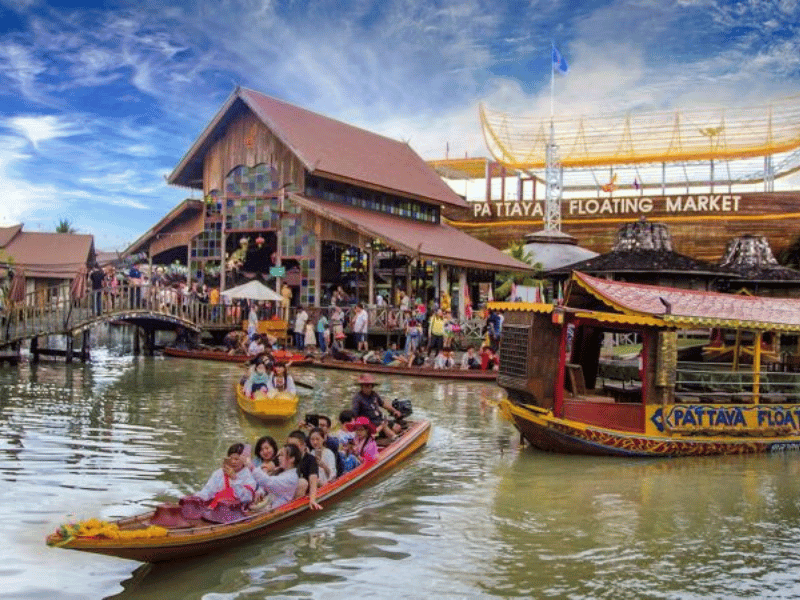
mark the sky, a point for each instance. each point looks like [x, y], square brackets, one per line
[99, 102]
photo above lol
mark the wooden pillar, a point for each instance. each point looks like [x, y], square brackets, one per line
[463, 297]
[137, 342]
[371, 275]
[317, 263]
[757, 367]
[444, 282]
[86, 345]
[35, 349]
[70, 342]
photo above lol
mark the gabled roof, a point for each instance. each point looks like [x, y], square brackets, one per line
[643, 261]
[50, 255]
[690, 308]
[431, 241]
[7, 234]
[326, 146]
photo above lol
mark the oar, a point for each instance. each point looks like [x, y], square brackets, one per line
[307, 386]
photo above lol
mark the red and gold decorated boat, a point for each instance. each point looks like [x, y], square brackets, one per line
[567, 394]
[280, 356]
[136, 538]
[428, 372]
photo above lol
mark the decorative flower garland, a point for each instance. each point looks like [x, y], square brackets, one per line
[103, 529]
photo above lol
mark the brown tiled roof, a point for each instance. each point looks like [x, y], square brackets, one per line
[8, 233]
[694, 307]
[50, 255]
[433, 241]
[327, 146]
[643, 261]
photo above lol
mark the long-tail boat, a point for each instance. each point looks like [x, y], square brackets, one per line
[280, 356]
[275, 407]
[456, 373]
[563, 396]
[136, 538]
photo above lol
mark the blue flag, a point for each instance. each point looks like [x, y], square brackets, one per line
[559, 62]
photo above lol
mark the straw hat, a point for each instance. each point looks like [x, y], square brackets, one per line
[340, 336]
[366, 379]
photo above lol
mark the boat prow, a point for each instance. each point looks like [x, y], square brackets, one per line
[275, 407]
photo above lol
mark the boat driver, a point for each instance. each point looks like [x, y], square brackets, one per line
[367, 403]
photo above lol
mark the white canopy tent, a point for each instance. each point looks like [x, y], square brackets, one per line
[253, 290]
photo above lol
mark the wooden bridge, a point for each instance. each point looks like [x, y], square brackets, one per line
[57, 310]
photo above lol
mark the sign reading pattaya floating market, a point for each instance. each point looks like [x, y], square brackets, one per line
[720, 417]
[613, 206]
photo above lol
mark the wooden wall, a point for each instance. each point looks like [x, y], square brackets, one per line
[247, 141]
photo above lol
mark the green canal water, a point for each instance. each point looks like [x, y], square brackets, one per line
[471, 516]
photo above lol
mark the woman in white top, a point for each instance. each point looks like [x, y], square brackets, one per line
[280, 486]
[326, 461]
[281, 381]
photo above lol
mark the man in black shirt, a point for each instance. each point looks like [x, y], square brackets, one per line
[308, 469]
[97, 277]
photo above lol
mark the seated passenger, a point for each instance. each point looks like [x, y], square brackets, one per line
[419, 358]
[279, 487]
[233, 482]
[345, 437]
[256, 345]
[444, 360]
[363, 446]
[325, 457]
[258, 381]
[470, 360]
[393, 358]
[337, 349]
[373, 357]
[308, 469]
[266, 455]
[489, 360]
[281, 381]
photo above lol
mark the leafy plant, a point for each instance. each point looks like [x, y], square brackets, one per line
[505, 281]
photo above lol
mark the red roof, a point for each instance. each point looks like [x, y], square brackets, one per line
[7, 234]
[686, 307]
[50, 255]
[433, 241]
[327, 146]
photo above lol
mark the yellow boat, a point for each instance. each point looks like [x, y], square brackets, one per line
[276, 407]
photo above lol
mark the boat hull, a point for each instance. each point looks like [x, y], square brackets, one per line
[197, 541]
[280, 356]
[470, 374]
[278, 408]
[546, 432]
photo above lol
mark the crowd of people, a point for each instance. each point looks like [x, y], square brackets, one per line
[312, 455]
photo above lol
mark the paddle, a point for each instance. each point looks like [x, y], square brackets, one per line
[303, 385]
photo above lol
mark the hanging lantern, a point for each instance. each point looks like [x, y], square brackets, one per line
[243, 241]
[260, 241]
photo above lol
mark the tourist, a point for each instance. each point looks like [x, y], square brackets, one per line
[363, 446]
[322, 332]
[310, 338]
[489, 360]
[373, 357]
[379, 302]
[97, 278]
[135, 280]
[258, 381]
[279, 487]
[300, 320]
[232, 482]
[337, 349]
[447, 341]
[404, 299]
[436, 333]
[266, 455]
[444, 360]
[308, 469]
[326, 460]
[360, 327]
[337, 322]
[470, 360]
[256, 345]
[393, 358]
[252, 320]
[281, 381]
[493, 328]
[413, 336]
[367, 403]
[419, 359]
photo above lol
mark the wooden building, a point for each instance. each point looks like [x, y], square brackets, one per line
[312, 201]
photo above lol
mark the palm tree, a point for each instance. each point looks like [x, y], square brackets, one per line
[65, 226]
[507, 280]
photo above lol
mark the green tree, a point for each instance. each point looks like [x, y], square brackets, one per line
[790, 256]
[65, 226]
[506, 280]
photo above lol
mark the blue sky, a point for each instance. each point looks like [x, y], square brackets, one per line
[99, 102]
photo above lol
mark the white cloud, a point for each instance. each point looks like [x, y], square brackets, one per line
[41, 128]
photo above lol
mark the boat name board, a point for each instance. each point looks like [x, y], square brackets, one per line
[632, 206]
[715, 417]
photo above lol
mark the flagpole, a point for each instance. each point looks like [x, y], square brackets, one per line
[552, 80]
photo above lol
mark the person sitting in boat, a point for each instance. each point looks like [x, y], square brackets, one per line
[337, 349]
[256, 345]
[278, 488]
[363, 446]
[234, 342]
[470, 360]
[232, 482]
[489, 360]
[345, 437]
[373, 357]
[392, 357]
[281, 381]
[326, 460]
[419, 359]
[308, 469]
[266, 455]
[367, 403]
[444, 360]
[258, 381]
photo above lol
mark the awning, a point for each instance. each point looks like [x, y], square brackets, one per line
[253, 290]
[428, 241]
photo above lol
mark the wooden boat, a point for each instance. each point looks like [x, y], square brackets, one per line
[329, 363]
[204, 538]
[275, 408]
[281, 356]
[561, 400]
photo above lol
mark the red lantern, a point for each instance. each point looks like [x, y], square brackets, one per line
[260, 241]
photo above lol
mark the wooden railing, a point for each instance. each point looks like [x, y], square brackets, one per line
[55, 310]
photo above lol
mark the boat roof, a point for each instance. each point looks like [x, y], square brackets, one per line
[681, 308]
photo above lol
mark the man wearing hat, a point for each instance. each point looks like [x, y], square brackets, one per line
[367, 403]
[337, 348]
